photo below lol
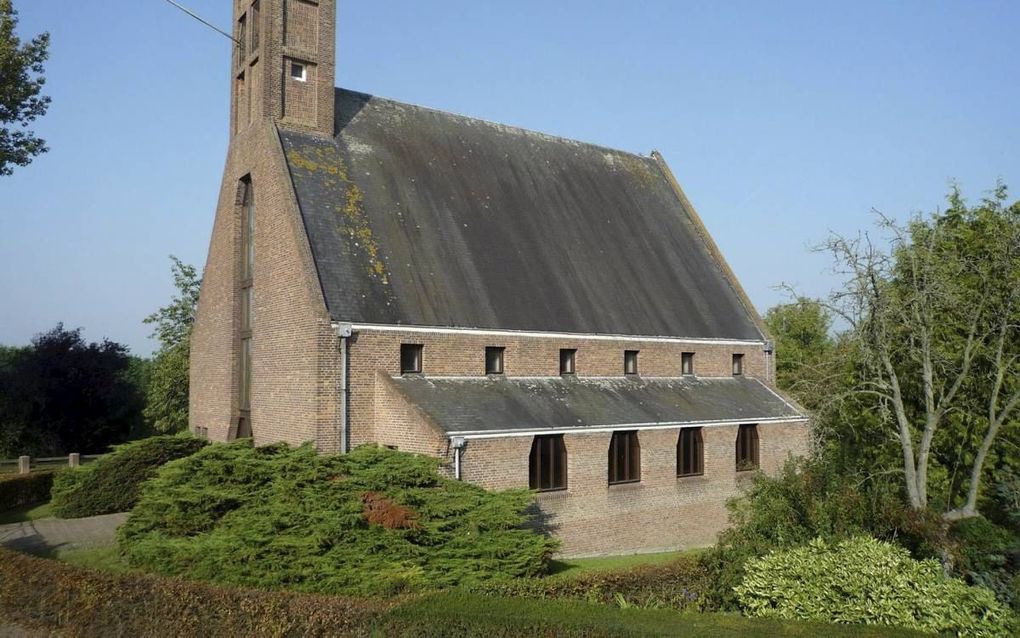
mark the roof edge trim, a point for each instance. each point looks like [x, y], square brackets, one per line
[496, 332]
[597, 429]
[713, 248]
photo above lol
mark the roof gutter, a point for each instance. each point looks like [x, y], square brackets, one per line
[597, 429]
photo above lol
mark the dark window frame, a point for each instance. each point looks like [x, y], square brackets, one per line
[687, 364]
[690, 453]
[494, 360]
[246, 302]
[738, 364]
[568, 361]
[748, 455]
[630, 362]
[412, 358]
[624, 458]
[547, 463]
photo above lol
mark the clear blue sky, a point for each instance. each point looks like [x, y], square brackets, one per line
[783, 121]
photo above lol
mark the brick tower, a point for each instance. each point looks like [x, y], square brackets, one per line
[283, 65]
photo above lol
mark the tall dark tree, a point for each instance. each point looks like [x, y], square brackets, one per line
[62, 394]
[21, 83]
[167, 406]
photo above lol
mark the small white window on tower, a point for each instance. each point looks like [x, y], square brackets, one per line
[298, 72]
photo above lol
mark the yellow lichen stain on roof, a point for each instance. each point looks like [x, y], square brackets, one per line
[327, 161]
[639, 168]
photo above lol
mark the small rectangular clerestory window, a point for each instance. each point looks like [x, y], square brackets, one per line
[568, 358]
[410, 358]
[298, 72]
[738, 365]
[630, 362]
[494, 360]
[687, 363]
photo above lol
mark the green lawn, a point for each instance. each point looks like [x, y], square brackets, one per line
[570, 567]
[29, 513]
[459, 614]
[106, 559]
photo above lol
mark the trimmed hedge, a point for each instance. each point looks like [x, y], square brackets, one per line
[866, 581]
[679, 584]
[42, 594]
[112, 483]
[21, 490]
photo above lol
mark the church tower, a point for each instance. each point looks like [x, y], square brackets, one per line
[283, 66]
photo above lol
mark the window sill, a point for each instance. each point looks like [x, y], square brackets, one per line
[549, 495]
[625, 485]
[691, 478]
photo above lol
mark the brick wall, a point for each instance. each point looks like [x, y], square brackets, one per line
[661, 512]
[294, 351]
[463, 354]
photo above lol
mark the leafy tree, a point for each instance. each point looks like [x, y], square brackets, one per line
[21, 81]
[933, 314]
[804, 347]
[63, 395]
[167, 407]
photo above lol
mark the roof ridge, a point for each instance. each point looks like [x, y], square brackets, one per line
[511, 127]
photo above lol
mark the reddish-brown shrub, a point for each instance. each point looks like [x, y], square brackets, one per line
[380, 510]
[47, 595]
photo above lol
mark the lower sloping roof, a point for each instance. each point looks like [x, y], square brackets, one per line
[481, 405]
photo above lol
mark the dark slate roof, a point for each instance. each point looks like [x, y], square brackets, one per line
[426, 218]
[483, 404]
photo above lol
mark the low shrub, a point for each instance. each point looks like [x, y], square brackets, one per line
[20, 490]
[989, 555]
[805, 500]
[374, 521]
[111, 483]
[679, 584]
[42, 594]
[866, 581]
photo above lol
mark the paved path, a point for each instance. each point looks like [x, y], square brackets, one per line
[48, 535]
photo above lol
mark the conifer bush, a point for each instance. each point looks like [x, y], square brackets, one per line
[111, 483]
[374, 521]
[866, 581]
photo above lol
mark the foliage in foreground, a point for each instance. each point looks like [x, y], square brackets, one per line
[456, 614]
[374, 521]
[866, 581]
[19, 490]
[679, 584]
[62, 599]
[112, 483]
[52, 597]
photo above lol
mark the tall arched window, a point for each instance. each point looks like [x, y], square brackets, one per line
[547, 466]
[247, 300]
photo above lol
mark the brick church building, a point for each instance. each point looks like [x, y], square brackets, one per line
[535, 311]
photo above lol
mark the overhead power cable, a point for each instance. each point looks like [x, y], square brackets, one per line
[203, 21]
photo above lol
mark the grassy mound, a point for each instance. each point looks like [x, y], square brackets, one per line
[111, 484]
[374, 521]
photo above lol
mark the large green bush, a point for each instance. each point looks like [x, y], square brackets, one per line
[809, 500]
[374, 521]
[19, 490]
[866, 581]
[111, 483]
